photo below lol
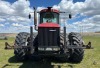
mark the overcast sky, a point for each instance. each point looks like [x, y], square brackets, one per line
[14, 14]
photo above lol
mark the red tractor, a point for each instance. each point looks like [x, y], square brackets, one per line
[48, 41]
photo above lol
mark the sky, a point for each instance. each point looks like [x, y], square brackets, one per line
[85, 14]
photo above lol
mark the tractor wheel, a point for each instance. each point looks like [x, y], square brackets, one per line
[63, 58]
[21, 40]
[76, 55]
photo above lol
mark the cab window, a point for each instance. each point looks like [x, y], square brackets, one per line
[49, 17]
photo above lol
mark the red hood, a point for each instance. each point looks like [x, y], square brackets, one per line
[49, 25]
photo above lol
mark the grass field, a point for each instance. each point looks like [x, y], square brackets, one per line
[91, 57]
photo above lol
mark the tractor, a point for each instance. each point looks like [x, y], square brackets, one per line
[49, 41]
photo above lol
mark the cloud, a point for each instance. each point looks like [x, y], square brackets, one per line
[5, 8]
[15, 15]
[1, 25]
[19, 9]
[89, 8]
[91, 24]
[92, 7]
[17, 25]
[2, 20]
[18, 19]
[20, 25]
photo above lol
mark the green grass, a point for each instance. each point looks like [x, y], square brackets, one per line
[91, 57]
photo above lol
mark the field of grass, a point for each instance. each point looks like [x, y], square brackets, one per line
[91, 57]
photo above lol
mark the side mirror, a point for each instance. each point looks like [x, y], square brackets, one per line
[70, 16]
[29, 16]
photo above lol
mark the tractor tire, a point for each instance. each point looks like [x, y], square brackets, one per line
[63, 58]
[76, 55]
[62, 40]
[21, 40]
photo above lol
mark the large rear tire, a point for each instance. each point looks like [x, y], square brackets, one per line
[63, 58]
[21, 40]
[75, 40]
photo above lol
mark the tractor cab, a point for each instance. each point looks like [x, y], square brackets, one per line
[49, 16]
[48, 29]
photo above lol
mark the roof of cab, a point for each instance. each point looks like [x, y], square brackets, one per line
[52, 10]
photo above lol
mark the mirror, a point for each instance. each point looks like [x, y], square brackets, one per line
[29, 16]
[70, 16]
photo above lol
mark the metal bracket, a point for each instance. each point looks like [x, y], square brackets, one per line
[88, 46]
[7, 46]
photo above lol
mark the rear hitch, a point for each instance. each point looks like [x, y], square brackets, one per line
[7, 46]
[88, 46]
